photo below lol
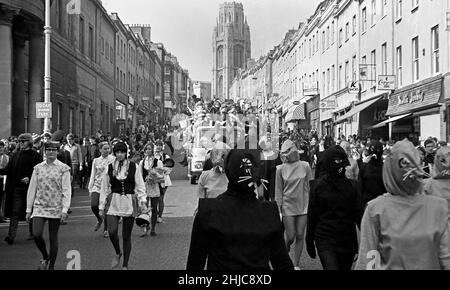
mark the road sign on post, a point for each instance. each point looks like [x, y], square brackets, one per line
[43, 110]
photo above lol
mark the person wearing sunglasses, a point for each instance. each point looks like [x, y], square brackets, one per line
[18, 174]
[48, 200]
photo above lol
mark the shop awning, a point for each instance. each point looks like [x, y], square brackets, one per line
[357, 109]
[390, 120]
[298, 113]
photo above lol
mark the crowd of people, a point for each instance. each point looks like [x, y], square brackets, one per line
[126, 180]
[393, 195]
[257, 205]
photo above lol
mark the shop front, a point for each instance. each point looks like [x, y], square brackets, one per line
[121, 116]
[416, 112]
[446, 93]
[313, 114]
[296, 118]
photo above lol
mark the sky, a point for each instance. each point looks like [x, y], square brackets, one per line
[185, 27]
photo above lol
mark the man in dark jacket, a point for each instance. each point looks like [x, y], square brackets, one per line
[64, 157]
[18, 172]
[430, 149]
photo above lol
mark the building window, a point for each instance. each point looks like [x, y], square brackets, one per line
[59, 116]
[82, 123]
[107, 50]
[328, 82]
[434, 48]
[81, 30]
[71, 120]
[340, 37]
[341, 79]
[111, 52]
[415, 4]
[384, 59]
[364, 19]
[91, 43]
[328, 36]
[333, 78]
[332, 32]
[347, 31]
[346, 73]
[398, 9]
[317, 41]
[323, 41]
[374, 12]
[383, 7]
[310, 51]
[354, 24]
[314, 44]
[361, 76]
[399, 66]
[373, 62]
[354, 68]
[415, 58]
[102, 45]
[219, 57]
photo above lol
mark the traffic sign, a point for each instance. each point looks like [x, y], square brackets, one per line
[43, 110]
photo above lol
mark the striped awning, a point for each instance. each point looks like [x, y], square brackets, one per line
[298, 113]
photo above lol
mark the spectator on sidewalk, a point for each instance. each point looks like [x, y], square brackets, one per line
[4, 160]
[76, 157]
[18, 175]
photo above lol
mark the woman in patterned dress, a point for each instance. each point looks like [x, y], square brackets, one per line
[99, 166]
[48, 199]
[122, 193]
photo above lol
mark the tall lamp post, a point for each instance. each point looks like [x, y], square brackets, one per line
[47, 76]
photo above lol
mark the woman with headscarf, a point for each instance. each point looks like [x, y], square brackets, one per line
[334, 211]
[122, 195]
[404, 229]
[236, 231]
[213, 182]
[291, 195]
[371, 173]
[439, 184]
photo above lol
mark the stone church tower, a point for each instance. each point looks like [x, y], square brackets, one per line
[231, 47]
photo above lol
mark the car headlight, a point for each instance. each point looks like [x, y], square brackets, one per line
[198, 165]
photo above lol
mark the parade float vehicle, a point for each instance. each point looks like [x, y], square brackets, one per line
[205, 139]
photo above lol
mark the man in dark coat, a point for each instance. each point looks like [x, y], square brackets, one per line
[64, 157]
[18, 172]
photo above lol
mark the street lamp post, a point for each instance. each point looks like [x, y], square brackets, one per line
[47, 76]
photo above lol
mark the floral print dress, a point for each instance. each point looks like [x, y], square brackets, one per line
[50, 190]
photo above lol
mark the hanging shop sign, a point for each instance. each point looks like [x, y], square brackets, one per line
[386, 83]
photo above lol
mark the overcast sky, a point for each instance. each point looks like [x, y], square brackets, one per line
[186, 26]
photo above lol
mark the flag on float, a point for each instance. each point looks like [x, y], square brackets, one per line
[74, 7]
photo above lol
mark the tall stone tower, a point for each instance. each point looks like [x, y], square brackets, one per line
[231, 47]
